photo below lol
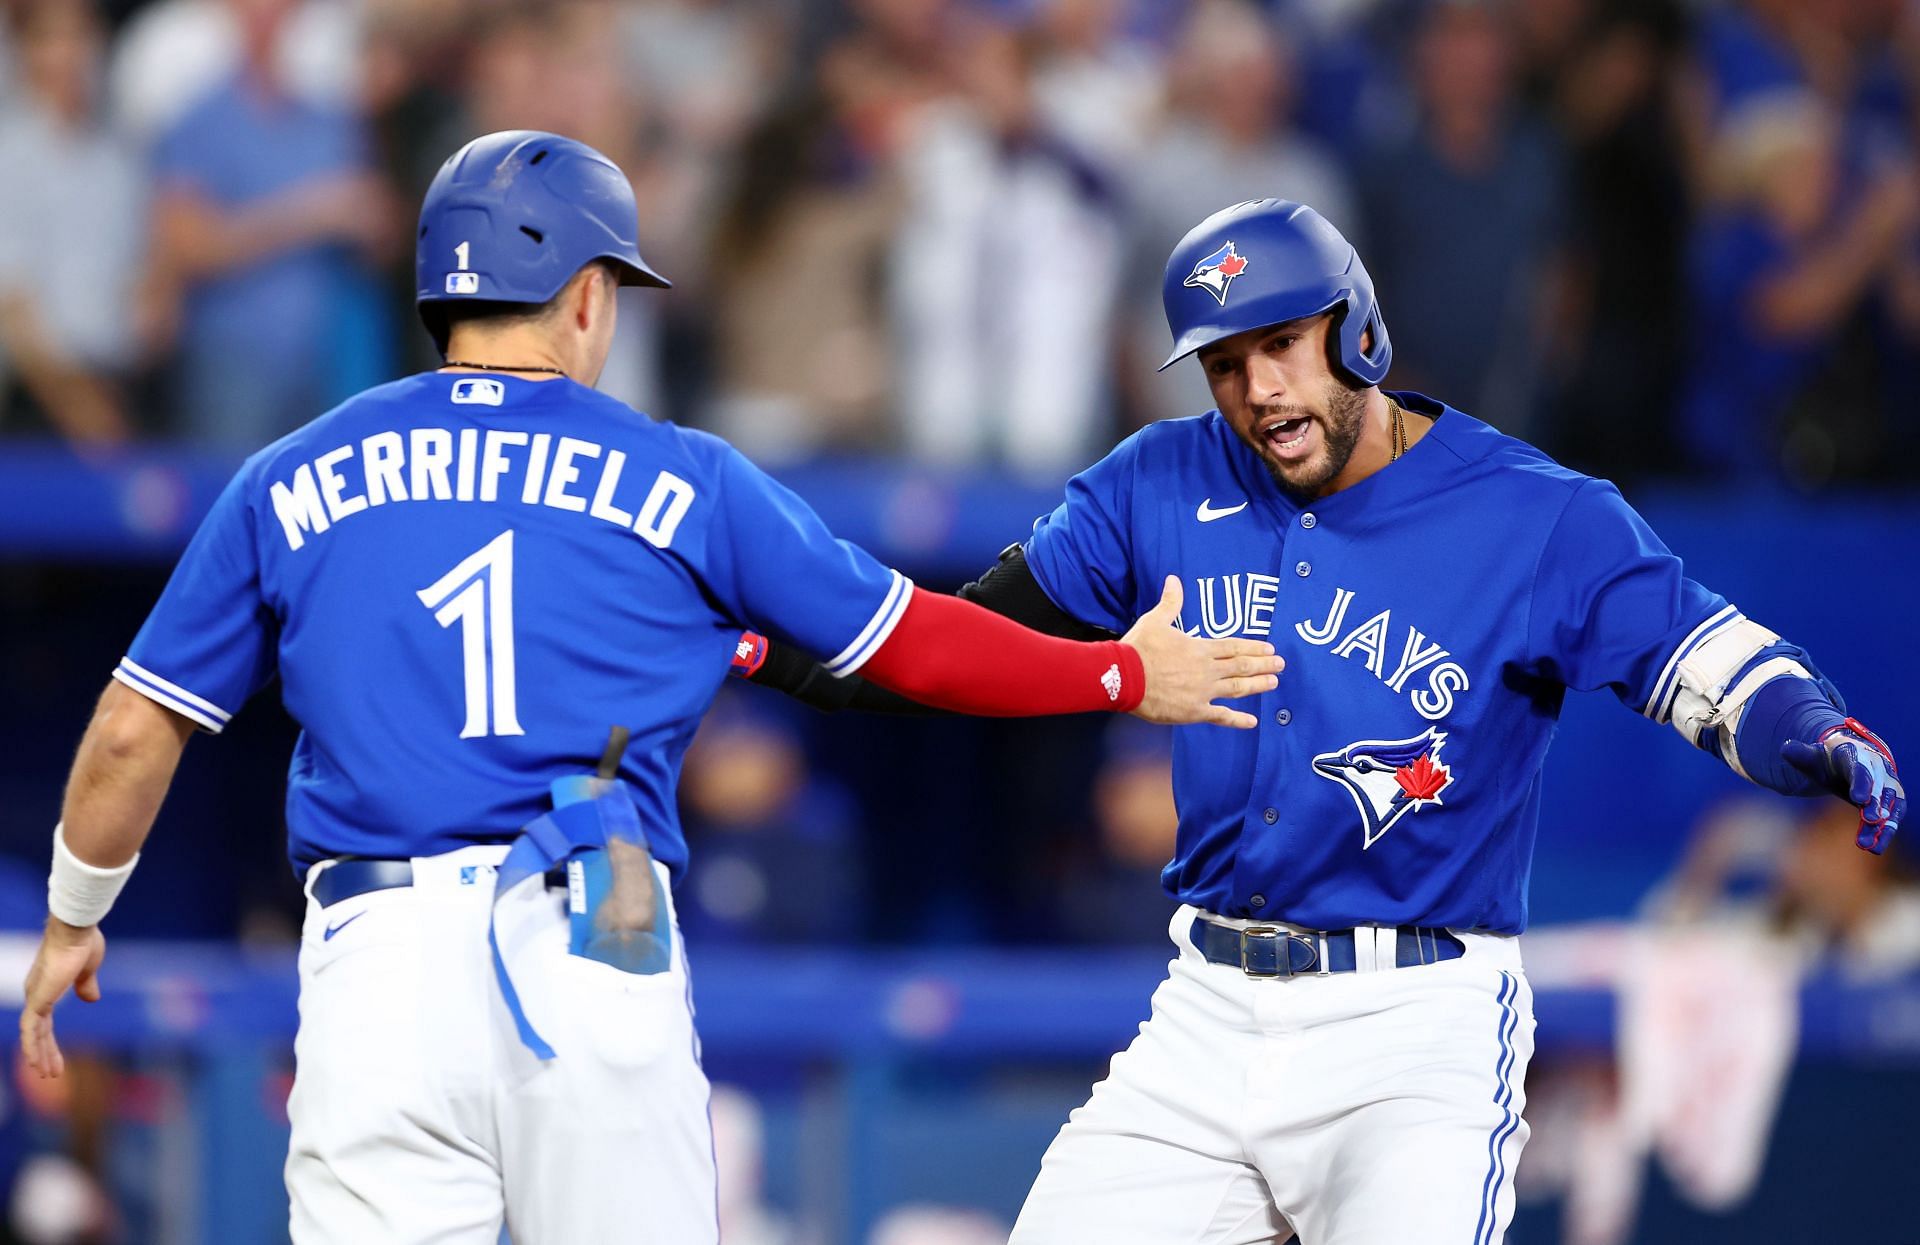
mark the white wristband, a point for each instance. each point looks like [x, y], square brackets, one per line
[77, 892]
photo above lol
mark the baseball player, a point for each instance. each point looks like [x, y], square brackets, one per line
[462, 579]
[1339, 1048]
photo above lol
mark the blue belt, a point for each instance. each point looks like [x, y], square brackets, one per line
[353, 876]
[579, 823]
[1276, 951]
[346, 878]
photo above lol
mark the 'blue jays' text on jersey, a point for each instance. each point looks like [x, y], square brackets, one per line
[464, 581]
[1431, 618]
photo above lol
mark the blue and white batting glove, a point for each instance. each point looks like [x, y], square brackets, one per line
[1853, 763]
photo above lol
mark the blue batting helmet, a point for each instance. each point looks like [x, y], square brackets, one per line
[512, 216]
[1267, 261]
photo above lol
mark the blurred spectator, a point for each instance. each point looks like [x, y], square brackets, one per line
[1464, 224]
[1097, 87]
[1611, 88]
[1783, 264]
[593, 99]
[266, 211]
[1113, 894]
[898, 57]
[1857, 911]
[72, 224]
[795, 273]
[706, 67]
[173, 53]
[703, 72]
[922, 1224]
[1345, 65]
[1003, 272]
[1709, 1010]
[1231, 90]
[775, 848]
[739, 1154]
[8, 71]
[1751, 48]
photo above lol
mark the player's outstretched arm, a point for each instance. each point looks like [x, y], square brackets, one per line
[124, 766]
[1008, 588]
[954, 655]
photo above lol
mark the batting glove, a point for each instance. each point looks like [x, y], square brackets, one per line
[1855, 765]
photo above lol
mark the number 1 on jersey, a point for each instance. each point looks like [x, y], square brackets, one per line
[478, 594]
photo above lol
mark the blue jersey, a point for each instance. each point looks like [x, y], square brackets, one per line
[1432, 617]
[463, 581]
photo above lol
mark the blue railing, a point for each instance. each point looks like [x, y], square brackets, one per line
[857, 1020]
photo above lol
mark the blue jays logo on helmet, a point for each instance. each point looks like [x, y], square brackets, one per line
[1388, 778]
[1216, 272]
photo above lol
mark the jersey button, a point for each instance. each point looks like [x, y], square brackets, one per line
[1271, 815]
[1303, 569]
[1258, 901]
[1283, 717]
[1307, 519]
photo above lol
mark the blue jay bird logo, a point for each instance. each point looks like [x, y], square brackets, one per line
[1388, 778]
[1217, 271]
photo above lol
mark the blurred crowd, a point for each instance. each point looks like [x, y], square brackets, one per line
[1656, 236]
[1767, 897]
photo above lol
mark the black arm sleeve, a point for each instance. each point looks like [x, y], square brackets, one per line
[1008, 589]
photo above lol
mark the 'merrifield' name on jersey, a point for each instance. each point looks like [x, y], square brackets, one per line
[436, 464]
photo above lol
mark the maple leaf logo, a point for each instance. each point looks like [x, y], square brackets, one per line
[1424, 779]
[1232, 266]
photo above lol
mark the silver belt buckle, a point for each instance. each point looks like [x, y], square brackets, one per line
[1272, 935]
[1281, 940]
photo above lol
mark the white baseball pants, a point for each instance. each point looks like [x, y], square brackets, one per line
[1364, 1108]
[418, 1116]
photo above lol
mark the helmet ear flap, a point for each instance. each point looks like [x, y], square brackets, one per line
[1363, 361]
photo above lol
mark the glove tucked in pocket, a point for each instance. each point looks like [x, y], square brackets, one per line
[615, 901]
[616, 904]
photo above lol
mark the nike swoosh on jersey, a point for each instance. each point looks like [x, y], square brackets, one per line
[1208, 514]
[334, 929]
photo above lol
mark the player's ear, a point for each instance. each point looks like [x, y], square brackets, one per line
[583, 299]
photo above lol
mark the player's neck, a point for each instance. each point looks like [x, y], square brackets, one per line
[1375, 449]
[532, 356]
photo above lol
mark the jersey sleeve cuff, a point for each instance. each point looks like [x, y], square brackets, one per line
[1659, 706]
[878, 628]
[210, 717]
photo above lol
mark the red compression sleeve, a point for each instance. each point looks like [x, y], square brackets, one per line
[954, 655]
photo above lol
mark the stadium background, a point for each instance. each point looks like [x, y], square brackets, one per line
[916, 247]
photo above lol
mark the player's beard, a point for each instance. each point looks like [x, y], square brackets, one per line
[1340, 426]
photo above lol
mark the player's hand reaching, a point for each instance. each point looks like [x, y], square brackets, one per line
[69, 958]
[1185, 675]
[1853, 763]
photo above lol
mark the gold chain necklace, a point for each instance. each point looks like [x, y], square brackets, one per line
[1399, 430]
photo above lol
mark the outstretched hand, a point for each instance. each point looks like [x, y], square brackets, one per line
[68, 959]
[1853, 763]
[1185, 674]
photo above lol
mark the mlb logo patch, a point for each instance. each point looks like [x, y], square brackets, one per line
[463, 283]
[478, 391]
[1216, 272]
